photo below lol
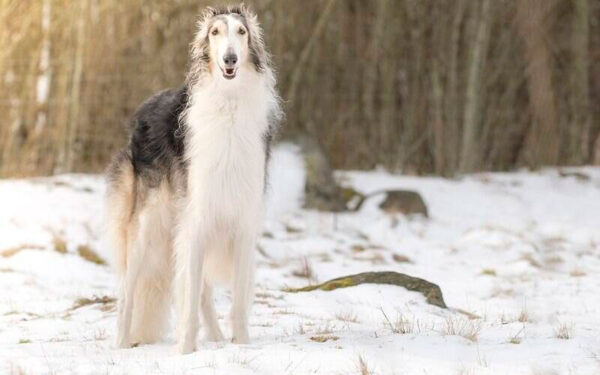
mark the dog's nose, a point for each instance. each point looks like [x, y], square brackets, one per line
[230, 59]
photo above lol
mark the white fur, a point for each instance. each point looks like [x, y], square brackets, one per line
[144, 292]
[222, 211]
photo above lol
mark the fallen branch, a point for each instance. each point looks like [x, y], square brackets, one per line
[431, 291]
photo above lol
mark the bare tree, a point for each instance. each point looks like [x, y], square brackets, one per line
[580, 140]
[534, 21]
[68, 153]
[470, 152]
[308, 47]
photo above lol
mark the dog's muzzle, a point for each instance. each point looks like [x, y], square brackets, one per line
[230, 69]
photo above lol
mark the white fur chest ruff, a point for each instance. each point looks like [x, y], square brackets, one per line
[225, 150]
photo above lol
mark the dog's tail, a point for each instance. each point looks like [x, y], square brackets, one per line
[121, 193]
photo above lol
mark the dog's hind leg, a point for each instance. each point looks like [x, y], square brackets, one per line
[122, 231]
[127, 290]
[243, 286]
[151, 309]
[211, 324]
[152, 294]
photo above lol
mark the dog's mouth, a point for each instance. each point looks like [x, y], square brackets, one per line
[229, 73]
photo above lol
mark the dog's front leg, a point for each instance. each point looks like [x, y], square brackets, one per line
[189, 258]
[243, 286]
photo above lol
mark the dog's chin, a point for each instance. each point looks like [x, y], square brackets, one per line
[229, 73]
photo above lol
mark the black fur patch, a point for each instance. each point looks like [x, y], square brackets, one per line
[273, 119]
[156, 145]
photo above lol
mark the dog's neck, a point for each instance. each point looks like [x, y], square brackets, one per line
[225, 127]
[247, 80]
[239, 103]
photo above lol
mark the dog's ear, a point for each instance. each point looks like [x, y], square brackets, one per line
[256, 42]
[199, 56]
[247, 13]
[209, 12]
[203, 22]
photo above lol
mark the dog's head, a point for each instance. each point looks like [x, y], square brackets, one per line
[229, 42]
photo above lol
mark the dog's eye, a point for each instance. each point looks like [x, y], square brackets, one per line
[241, 31]
[215, 32]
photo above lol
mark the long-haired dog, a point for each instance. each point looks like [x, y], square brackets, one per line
[185, 198]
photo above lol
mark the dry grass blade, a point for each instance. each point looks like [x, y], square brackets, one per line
[347, 316]
[60, 245]
[400, 326]
[84, 301]
[15, 250]
[324, 338]
[469, 329]
[363, 367]
[515, 339]
[90, 255]
[523, 316]
[563, 331]
[488, 272]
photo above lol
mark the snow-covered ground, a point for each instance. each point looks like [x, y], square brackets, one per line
[517, 256]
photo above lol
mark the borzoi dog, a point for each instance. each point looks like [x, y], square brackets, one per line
[185, 198]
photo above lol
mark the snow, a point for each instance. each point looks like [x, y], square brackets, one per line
[515, 254]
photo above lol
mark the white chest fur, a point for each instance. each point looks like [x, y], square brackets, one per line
[225, 150]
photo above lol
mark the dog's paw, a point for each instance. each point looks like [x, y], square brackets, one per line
[216, 336]
[123, 343]
[185, 348]
[241, 339]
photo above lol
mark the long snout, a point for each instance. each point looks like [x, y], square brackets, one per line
[230, 59]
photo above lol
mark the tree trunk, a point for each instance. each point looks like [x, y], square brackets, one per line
[373, 62]
[305, 54]
[579, 150]
[543, 136]
[45, 73]
[387, 134]
[413, 96]
[472, 116]
[70, 150]
[438, 130]
[452, 95]
[596, 151]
